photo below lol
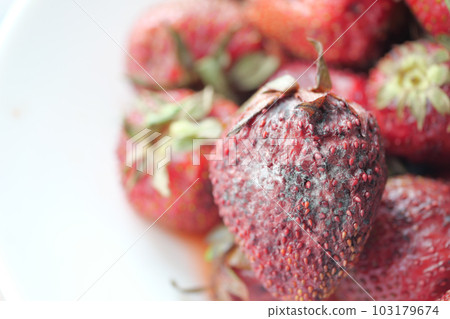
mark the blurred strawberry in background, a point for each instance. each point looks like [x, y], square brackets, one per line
[356, 31]
[408, 92]
[433, 15]
[190, 43]
[190, 115]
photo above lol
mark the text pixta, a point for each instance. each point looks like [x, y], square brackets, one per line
[297, 311]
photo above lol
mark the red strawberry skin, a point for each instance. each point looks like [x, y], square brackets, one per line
[195, 211]
[407, 256]
[402, 132]
[346, 84]
[433, 15]
[330, 182]
[200, 27]
[292, 22]
[445, 297]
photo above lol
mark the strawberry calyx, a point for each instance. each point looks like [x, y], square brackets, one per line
[323, 79]
[248, 73]
[175, 125]
[264, 98]
[415, 79]
[284, 87]
[227, 258]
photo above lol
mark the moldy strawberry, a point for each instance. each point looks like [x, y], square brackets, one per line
[299, 185]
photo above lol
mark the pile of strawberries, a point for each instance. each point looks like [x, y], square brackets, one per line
[326, 184]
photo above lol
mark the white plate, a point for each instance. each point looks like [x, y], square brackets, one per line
[63, 216]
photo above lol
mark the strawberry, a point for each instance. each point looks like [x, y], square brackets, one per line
[408, 92]
[407, 256]
[232, 276]
[445, 297]
[301, 177]
[433, 15]
[181, 43]
[292, 22]
[152, 194]
[347, 84]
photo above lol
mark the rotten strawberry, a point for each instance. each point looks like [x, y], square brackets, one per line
[407, 256]
[302, 175]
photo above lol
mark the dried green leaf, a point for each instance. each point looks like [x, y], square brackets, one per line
[252, 70]
[184, 131]
[418, 105]
[264, 98]
[183, 53]
[229, 284]
[386, 95]
[438, 74]
[198, 105]
[439, 100]
[441, 56]
[418, 110]
[138, 79]
[237, 259]
[164, 114]
[221, 53]
[283, 84]
[220, 241]
[254, 106]
[211, 72]
[209, 128]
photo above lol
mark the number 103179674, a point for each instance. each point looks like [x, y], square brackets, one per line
[405, 310]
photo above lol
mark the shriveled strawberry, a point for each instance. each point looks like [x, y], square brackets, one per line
[333, 22]
[302, 176]
[152, 189]
[445, 297]
[182, 43]
[346, 84]
[408, 92]
[232, 276]
[407, 256]
[433, 15]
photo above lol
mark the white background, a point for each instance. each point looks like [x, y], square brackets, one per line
[63, 216]
[4, 5]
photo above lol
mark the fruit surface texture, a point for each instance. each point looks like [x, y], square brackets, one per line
[407, 256]
[302, 176]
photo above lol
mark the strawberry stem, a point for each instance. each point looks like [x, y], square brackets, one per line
[188, 290]
[323, 80]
